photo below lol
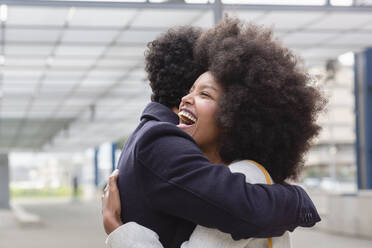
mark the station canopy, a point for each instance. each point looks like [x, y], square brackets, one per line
[72, 72]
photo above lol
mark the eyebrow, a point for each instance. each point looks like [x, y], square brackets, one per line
[210, 87]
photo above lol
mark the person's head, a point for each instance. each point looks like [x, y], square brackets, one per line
[170, 65]
[266, 110]
[199, 108]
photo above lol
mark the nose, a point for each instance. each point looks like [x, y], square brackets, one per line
[187, 100]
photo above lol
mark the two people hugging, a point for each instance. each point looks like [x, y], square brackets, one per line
[231, 117]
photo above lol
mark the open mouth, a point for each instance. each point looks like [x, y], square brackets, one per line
[186, 117]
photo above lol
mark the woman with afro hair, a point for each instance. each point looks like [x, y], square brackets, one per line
[253, 109]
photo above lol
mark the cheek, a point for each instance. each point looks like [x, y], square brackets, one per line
[208, 126]
[207, 110]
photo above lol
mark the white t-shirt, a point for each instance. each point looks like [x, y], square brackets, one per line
[133, 235]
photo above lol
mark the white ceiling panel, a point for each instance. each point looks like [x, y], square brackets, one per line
[305, 38]
[343, 21]
[57, 89]
[289, 20]
[322, 53]
[142, 37]
[72, 109]
[16, 69]
[59, 61]
[12, 114]
[57, 84]
[107, 74]
[353, 39]
[36, 15]
[108, 102]
[89, 36]
[15, 86]
[367, 27]
[89, 94]
[125, 51]
[138, 73]
[165, 18]
[77, 102]
[125, 117]
[52, 94]
[67, 68]
[15, 108]
[125, 89]
[118, 62]
[31, 35]
[80, 50]
[61, 73]
[45, 104]
[247, 15]
[18, 92]
[101, 17]
[43, 50]
[23, 62]
[95, 84]
[22, 73]
[23, 101]
[136, 77]
[52, 79]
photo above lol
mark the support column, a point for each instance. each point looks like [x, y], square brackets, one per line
[113, 155]
[363, 105]
[4, 181]
[96, 172]
[218, 11]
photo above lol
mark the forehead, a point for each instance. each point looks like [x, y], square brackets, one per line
[206, 80]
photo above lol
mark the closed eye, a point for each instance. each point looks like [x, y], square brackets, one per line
[205, 94]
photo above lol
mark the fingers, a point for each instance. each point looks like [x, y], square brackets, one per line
[112, 182]
[115, 174]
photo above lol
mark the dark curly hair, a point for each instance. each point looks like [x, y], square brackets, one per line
[170, 65]
[269, 107]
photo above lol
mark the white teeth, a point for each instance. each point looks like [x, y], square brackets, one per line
[187, 115]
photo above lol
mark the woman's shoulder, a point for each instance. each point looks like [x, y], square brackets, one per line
[253, 171]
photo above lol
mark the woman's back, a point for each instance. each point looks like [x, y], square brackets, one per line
[213, 238]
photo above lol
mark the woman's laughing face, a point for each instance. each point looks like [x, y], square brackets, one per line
[198, 111]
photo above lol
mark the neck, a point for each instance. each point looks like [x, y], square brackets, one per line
[213, 156]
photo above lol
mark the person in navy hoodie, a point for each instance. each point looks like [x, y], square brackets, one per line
[166, 183]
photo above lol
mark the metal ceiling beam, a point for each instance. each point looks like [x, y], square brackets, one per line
[184, 6]
[105, 4]
[162, 29]
[76, 43]
[140, 44]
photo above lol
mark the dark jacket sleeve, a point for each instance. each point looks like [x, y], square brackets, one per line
[177, 179]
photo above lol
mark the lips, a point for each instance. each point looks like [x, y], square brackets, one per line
[187, 117]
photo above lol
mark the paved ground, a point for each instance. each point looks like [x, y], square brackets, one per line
[64, 225]
[70, 224]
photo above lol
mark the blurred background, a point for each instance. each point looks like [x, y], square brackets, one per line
[73, 85]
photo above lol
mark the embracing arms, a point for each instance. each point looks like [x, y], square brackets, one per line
[178, 180]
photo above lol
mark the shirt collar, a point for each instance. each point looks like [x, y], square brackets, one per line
[159, 112]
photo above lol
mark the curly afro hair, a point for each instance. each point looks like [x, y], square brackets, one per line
[269, 108]
[170, 65]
